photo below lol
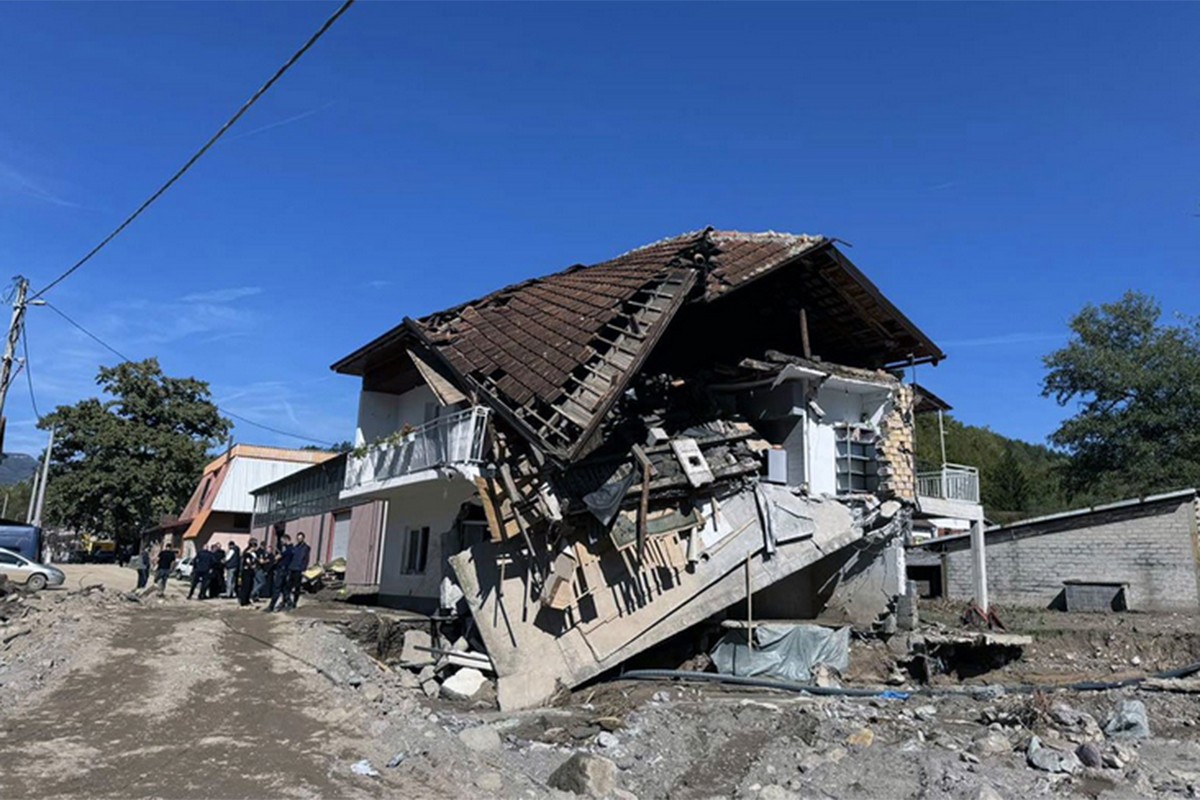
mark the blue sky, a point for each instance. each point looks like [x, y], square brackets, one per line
[995, 166]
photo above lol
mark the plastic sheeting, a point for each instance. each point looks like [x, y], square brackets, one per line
[786, 652]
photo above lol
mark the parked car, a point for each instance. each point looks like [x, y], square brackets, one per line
[183, 569]
[19, 569]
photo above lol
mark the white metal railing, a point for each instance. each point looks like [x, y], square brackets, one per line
[951, 482]
[453, 439]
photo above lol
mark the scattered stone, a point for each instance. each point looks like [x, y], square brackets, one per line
[364, 768]
[372, 692]
[396, 760]
[988, 793]
[408, 680]
[606, 739]
[925, 713]
[661, 697]
[969, 758]
[585, 774]
[774, 791]
[988, 693]
[481, 738]
[464, 684]
[1130, 721]
[410, 655]
[825, 676]
[1088, 755]
[427, 673]
[431, 688]
[861, 738]
[1136, 661]
[490, 782]
[992, 743]
[355, 681]
[1041, 757]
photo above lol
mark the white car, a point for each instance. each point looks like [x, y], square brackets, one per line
[183, 569]
[19, 569]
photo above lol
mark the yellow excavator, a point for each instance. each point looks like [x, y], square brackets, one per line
[96, 549]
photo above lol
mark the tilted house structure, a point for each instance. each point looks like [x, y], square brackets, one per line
[606, 456]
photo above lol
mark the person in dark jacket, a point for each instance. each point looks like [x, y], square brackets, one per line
[216, 585]
[248, 573]
[299, 563]
[166, 560]
[202, 566]
[262, 572]
[143, 568]
[279, 582]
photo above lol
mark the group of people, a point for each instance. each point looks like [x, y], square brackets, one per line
[251, 575]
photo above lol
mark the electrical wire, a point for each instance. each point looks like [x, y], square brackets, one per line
[125, 358]
[345, 6]
[29, 373]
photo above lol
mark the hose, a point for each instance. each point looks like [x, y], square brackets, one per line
[840, 691]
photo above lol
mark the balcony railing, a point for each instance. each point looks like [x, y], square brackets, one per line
[453, 439]
[951, 482]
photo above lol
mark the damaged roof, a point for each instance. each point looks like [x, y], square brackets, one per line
[554, 353]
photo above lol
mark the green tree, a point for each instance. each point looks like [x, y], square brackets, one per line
[1136, 384]
[121, 464]
[1012, 485]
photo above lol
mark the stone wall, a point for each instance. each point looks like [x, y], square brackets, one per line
[896, 450]
[1151, 546]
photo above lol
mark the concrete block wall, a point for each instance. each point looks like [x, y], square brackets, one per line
[1152, 547]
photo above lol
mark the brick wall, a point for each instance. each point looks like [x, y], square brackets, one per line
[1150, 546]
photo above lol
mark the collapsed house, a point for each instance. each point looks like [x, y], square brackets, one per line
[605, 457]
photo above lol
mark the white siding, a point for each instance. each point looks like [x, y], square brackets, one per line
[247, 474]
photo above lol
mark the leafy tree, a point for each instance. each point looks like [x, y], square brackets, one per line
[119, 465]
[15, 500]
[1136, 384]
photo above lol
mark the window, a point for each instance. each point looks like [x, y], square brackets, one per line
[416, 550]
[11, 560]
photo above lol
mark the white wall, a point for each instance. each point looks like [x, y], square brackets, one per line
[380, 413]
[432, 503]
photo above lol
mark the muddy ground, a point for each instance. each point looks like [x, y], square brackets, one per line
[161, 697]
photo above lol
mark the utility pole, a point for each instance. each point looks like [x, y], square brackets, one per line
[10, 346]
[41, 495]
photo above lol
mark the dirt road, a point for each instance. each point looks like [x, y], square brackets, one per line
[176, 703]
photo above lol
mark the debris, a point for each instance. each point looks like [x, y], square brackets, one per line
[464, 684]
[1180, 685]
[1041, 757]
[661, 697]
[415, 651]
[364, 768]
[491, 782]
[1089, 755]
[1129, 722]
[993, 743]
[585, 774]
[788, 652]
[396, 760]
[371, 692]
[606, 739]
[861, 738]
[481, 738]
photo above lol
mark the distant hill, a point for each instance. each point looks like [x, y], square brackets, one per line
[16, 468]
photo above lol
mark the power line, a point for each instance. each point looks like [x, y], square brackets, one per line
[124, 358]
[88, 333]
[345, 6]
[29, 373]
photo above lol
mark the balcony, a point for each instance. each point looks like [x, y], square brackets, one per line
[453, 440]
[953, 482]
